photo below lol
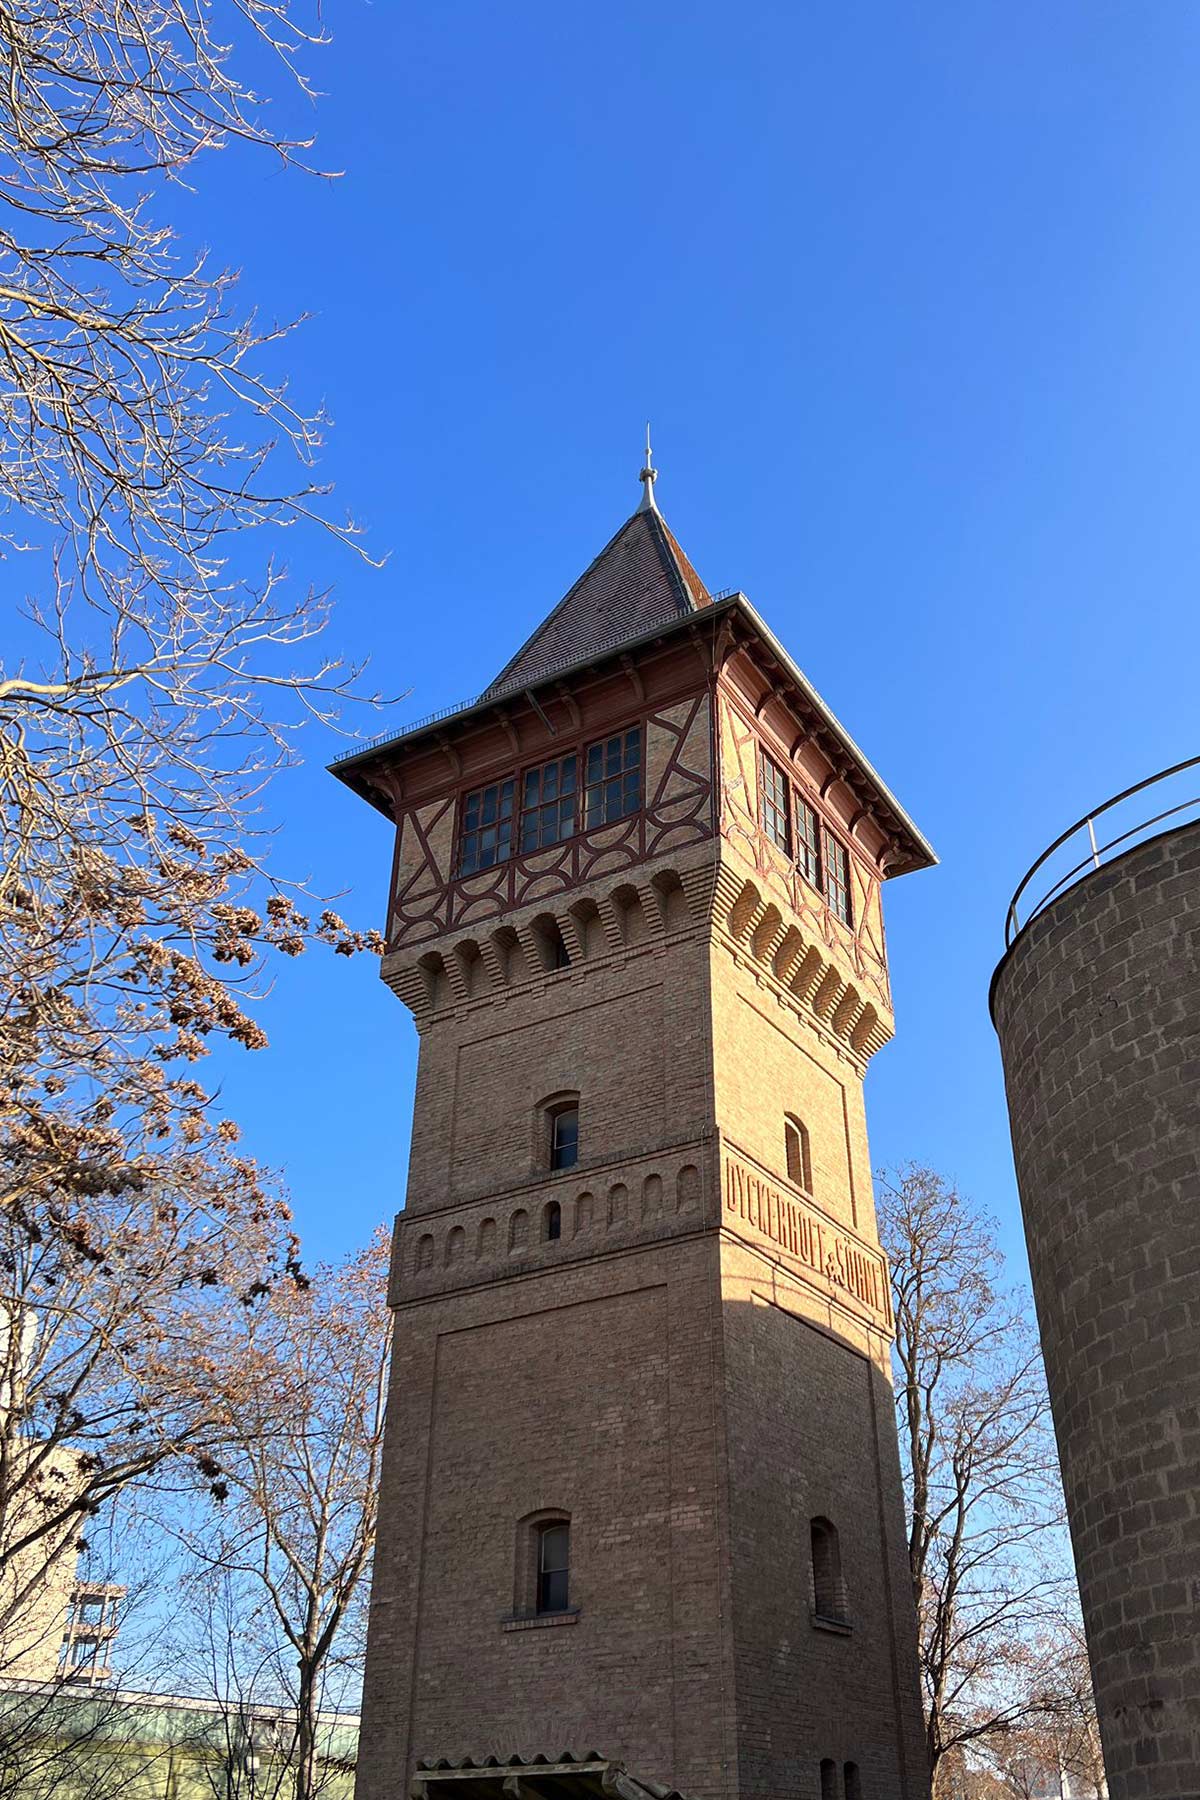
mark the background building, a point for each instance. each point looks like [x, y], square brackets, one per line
[61, 1743]
[641, 1490]
[1097, 1005]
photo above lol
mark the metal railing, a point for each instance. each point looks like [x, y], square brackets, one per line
[1083, 833]
[495, 692]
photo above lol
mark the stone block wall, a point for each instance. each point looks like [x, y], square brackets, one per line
[1097, 1006]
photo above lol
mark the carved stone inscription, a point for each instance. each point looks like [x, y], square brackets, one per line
[812, 1240]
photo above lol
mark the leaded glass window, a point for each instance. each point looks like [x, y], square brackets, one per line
[613, 782]
[547, 805]
[837, 878]
[808, 842]
[776, 819]
[487, 824]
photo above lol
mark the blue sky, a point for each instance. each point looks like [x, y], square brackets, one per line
[910, 295]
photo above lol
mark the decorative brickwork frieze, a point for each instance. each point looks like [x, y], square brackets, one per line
[836, 1263]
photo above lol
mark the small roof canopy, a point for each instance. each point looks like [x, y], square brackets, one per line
[561, 1777]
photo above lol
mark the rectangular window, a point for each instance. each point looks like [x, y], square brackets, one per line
[554, 1545]
[487, 823]
[547, 805]
[776, 821]
[837, 878]
[808, 842]
[564, 1138]
[613, 779]
[83, 1656]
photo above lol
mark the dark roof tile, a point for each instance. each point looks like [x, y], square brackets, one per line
[639, 580]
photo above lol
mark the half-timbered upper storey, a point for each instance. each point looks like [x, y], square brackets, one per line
[643, 720]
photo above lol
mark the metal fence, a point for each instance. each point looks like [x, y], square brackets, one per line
[1086, 845]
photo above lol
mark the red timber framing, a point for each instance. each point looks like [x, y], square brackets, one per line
[668, 684]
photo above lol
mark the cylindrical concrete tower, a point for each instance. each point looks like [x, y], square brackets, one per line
[1097, 1006]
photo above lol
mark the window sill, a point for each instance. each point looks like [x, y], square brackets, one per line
[531, 1621]
[839, 1627]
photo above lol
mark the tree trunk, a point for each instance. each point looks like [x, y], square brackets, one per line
[306, 1733]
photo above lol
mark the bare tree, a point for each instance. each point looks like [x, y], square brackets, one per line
[100, 1384]
[987, 1553]
[302, 1380]
[153, 687]
[1057, 1743]
[139, 442]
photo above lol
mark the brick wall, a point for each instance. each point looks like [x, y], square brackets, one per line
[629, 1372]
[1098, 1011]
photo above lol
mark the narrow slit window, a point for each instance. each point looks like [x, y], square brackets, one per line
[776, 819]
[487, 827]
[799, 1164]
[547, 805]
[552, 1222]
[564, 1138]
[808, 843]
[828, 1779]
[851, 1781]
[553, 1568]
[837, 878]
[829, 1593]
[613, 783]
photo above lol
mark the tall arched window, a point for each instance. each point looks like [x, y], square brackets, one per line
[556, 1131]
[553, 1566]
[828, 1779]
[564, 1137]
[851, 1782]
[551, 1222]
[799, 1160]
[829, 1591]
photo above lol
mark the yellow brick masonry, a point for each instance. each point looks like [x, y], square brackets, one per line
[693, 1370]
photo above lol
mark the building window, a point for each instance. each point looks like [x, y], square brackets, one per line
[776, 817]
[80, 1658]
[613, 784]
[799, 1161]
[828, 1779]
[564, 1137]
[487, 823]
[553, 1566]
[837, 878]
[547, 805]
[808, 843]
[551, 1222]
[851, 1782]
[829, 1593]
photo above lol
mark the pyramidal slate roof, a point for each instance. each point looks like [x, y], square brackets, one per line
[640, 579]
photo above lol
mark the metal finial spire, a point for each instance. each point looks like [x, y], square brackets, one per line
[648, 477]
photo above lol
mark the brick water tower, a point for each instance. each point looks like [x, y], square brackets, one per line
[641, 1516]
[1097, 1006]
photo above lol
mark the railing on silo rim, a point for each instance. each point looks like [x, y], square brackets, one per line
[1096, 852]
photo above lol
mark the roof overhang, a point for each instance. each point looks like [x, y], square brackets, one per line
[591, 1777]
[913, 849]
